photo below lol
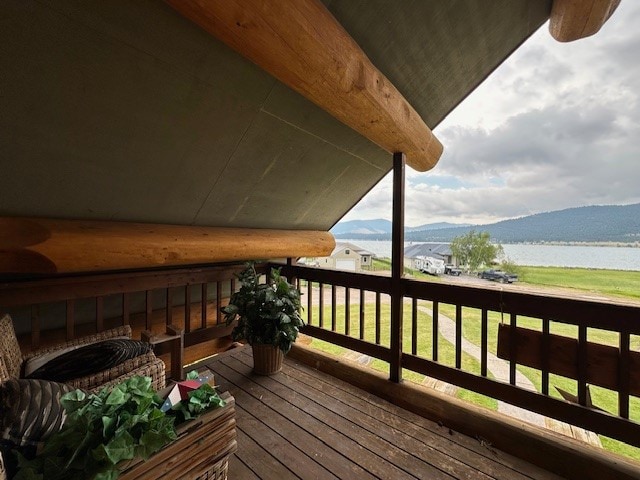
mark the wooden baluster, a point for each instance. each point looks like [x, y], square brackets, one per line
[414, 326]
[583, 361]
[624, 371]
[126, 308]
[218, 302]
[149, 309]
[347, 311]
[545, 352]
[513, 349]
[309, 302]
[435, 332]
[362, 314]
[377, 318]
[203, 306]
[168, 315]
[483, 342]
[333, 309]
[187, 308]
[458, 336]
[321, 306]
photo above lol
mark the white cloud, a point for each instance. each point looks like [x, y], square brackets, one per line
[556, 126]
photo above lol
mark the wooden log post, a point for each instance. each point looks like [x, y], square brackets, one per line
[45, 246]
[397, 268]
[301, 44]
[575, 19]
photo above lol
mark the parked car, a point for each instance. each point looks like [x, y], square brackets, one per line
[498, 276]
[450, 269]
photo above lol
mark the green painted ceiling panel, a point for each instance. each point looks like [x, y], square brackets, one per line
[127, 111]
[436, 52]
[279, 175]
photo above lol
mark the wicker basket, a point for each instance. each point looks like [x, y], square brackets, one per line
[267, 359]
[201, 451]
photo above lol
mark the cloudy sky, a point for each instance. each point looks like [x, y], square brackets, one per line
[556, 126]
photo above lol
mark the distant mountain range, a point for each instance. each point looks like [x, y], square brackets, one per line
[598, 223]
[382, 227]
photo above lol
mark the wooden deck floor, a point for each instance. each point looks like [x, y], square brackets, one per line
[304, 424]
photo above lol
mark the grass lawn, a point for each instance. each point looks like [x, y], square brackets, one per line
[446, 352]
[471, 331]
[617, 283]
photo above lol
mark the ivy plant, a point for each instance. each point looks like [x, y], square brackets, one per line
[268, 313]
[104, 429]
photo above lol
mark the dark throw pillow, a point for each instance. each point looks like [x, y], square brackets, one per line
[91, 359]
[30, 411]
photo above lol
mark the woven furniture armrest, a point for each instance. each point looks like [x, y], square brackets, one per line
[147, 365]
[123, 331]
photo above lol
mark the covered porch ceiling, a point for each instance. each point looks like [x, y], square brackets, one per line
[128, 111]
[274, 114]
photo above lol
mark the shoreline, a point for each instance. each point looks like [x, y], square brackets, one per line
[635, 244]
[579, 244]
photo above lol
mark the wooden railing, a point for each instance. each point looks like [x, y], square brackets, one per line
[327, 292]
[191, 298]
[60, 308]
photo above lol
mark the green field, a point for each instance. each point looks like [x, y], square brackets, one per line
[597, 282]
[615, 283]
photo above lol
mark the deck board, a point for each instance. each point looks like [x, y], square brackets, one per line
[302, 423]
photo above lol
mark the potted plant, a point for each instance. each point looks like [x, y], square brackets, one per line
[268, 317]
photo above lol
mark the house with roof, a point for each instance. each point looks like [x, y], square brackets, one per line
[346, 256]
[441, 251]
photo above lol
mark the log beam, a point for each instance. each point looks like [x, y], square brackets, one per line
[575, 19]
[45, 246]
[301, 44]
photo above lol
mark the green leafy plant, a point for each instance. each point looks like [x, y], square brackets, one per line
[104, 429]
[267, 313]
[100, 431]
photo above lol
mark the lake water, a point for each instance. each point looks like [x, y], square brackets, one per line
[614, 258]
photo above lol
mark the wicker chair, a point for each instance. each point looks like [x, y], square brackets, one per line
[12, 359]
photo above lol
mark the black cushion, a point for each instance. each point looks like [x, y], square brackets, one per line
[30, 411]
[91, 359]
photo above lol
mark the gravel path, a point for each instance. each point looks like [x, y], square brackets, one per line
[496, 366]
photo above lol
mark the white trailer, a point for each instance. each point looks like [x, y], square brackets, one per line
[430, 265]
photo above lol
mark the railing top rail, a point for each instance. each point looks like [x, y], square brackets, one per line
[374, 283]
[612, 316]
[70, 287]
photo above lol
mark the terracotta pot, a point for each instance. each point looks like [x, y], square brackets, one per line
[267, 359]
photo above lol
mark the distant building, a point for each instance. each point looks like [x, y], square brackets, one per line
[346, 256]
[440, 251]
